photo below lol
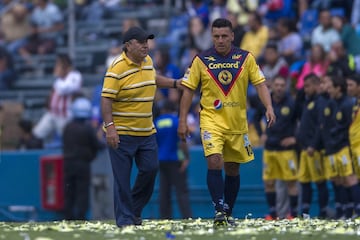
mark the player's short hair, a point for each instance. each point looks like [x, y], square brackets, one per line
[272, 45]
[221, 23]
[338, 81]
[313, 78]
[355, 78]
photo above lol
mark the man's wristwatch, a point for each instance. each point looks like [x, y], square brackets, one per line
[106, 125]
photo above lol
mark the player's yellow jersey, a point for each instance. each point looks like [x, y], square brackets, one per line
[224, 82]
[354, 130]
[132, 88]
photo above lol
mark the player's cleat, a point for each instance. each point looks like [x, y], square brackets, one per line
[231, 221]
[269, 218]
[220, 219]
[137, 221]
[289, 217]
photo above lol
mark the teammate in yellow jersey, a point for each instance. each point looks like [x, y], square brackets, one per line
[127, 99]
[224, 72]
[353, 88]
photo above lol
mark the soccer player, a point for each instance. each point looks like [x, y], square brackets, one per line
[280, 158]
[353, 88]
[338, 164]
[224, 72]
[311, 168]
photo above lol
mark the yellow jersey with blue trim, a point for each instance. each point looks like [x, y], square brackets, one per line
[354, 129]
[223, 82]
[132, 88]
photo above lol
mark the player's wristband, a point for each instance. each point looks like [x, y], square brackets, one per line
[106, 125]
[175, 84]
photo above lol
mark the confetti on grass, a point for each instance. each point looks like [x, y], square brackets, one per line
[249, 229]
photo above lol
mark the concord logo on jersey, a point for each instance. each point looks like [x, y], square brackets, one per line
[234, 65]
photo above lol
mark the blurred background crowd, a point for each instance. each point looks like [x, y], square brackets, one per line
[44, 42]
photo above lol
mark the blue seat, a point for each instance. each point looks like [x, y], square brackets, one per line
[337, 12]
[308, 21]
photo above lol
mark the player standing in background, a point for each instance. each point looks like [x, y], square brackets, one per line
[80, 146]
[174, 160]
[311, 168]
[280, 158]
[338, 164]
[224, 72]
[353, 88]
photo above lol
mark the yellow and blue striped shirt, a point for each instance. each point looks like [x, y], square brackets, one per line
[132, 88]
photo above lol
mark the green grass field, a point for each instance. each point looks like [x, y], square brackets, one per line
[248, 229]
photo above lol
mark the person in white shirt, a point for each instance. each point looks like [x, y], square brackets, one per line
[68, 82]
[324, 34]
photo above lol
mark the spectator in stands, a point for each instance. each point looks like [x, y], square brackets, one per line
[47, 22]
[27, 139]
[5, 5]
[67, 83]
[355, 13]
[317, 63]
[273, 10]
[199, 35]
[344, 7]
[238, 29]
[242, 10]
[164, 67]
[16, 27]
[290, 42]
[199, 8]
[217, 10]
[256, 38]
[80, 146]
[173, 163]
[7, 73]
[274, 64]
[187, 57]
[341, 63]
[324, 33]
[348, 35]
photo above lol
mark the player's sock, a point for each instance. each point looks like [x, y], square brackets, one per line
[355, 193]
[337, 199]
[344, 198]
[231, 189]
[306, 197]
[349, 209]
[294, 205]
[323, 198]
[271, 201]
[215, 184]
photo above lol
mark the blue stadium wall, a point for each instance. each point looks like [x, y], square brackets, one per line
[20, 191]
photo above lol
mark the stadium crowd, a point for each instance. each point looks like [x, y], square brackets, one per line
[293, 41]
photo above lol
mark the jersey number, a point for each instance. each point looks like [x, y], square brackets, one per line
[249, 150]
